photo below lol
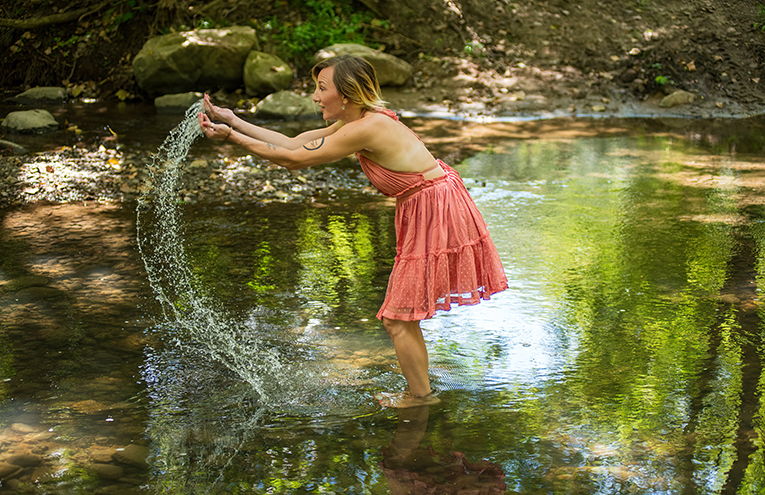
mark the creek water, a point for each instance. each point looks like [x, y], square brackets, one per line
[235, 349]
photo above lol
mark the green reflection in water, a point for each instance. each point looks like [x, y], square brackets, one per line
[338, 260]
[630, 257]
[263, 269]
[754, 475]
[615, 257]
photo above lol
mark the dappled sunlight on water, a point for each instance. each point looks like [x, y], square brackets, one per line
[625, 356]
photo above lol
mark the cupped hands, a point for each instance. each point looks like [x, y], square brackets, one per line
[219, 132]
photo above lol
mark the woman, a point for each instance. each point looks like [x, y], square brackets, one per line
[444, 253]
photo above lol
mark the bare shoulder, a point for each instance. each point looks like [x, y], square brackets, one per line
[368, 129]
[371, 120]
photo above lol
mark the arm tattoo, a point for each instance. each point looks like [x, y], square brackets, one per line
[271, 146]
[314, 145]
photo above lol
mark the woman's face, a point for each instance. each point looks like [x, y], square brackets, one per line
[330, 101]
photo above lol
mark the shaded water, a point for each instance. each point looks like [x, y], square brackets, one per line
[626, 357]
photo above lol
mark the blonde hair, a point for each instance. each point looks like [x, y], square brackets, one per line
[355, 79]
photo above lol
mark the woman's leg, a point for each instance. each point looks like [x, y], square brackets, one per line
[412, 354]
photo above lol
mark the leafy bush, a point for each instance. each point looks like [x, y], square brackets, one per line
[326, 22]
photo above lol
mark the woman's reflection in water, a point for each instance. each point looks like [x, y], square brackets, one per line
[412, 469]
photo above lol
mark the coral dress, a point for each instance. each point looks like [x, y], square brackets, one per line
[444, 254]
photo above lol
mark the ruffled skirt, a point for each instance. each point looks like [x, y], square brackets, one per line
[444, 255]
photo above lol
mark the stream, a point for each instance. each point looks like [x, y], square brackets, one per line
[625, 357]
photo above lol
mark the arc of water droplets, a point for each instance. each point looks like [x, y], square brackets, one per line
[193, 315]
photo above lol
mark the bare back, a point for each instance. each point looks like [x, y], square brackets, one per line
[394, 146]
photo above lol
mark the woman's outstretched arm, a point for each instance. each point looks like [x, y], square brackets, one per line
[227, 116]
[342, 142]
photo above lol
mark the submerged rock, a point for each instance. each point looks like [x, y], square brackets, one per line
[28, 281]
[8, 470]
[107, 471]
[133, 455]
[11, 148]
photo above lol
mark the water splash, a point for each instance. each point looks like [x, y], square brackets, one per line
[192, 319]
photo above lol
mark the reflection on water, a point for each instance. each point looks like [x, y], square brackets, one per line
[626, 356]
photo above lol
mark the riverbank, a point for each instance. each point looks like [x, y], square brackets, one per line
[94, 163]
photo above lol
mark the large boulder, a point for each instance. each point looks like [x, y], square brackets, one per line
[286, 105]
[35, 121]
[194, 60]
[391, 70]
[43, 95]
[176, 103]
[265, 74]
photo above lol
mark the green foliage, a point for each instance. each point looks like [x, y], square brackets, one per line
[122, 12]
[326, 23]
[475, 48]
[760, 24]
[662, 80]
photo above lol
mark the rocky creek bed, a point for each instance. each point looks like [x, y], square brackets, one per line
[108, 175]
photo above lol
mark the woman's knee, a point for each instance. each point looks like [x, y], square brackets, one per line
[397, 327]
[393, 327]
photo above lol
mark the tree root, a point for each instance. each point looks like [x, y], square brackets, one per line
[37, 22]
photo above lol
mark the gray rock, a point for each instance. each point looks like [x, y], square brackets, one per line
[194, 60]
[176, 103]
[43, 95]
[265, 73]
[391, 70]
[14, 148]
[287, 105]
[35, 121]
[679, 97]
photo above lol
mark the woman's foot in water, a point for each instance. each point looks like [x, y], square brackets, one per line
[406, 399]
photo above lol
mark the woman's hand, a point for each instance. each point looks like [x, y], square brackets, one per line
[217, 113]
[219, 132]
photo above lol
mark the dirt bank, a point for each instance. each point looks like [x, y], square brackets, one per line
[588, 57]
[495, 57]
